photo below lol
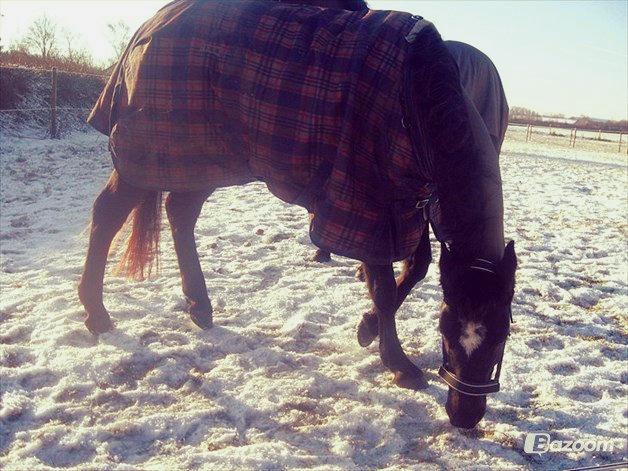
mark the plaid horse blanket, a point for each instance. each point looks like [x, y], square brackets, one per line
[306, 99]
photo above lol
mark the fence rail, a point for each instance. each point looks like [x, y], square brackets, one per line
[576, 134]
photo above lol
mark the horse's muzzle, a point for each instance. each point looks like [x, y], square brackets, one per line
[465, 411]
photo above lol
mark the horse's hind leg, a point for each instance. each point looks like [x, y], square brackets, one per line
[322, 256]
[383, 290]
[183, 210]
[110, 211]
[414, 270]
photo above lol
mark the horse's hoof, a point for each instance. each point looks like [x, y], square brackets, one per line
[322, 256]
[99, 325]
[202, 319]
[367, 329]
[411, 380]
[359, 273]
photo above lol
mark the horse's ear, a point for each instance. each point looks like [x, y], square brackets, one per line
[509, 262]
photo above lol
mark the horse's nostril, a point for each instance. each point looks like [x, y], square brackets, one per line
[464, 414]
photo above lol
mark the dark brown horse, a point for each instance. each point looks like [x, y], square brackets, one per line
[477, 275]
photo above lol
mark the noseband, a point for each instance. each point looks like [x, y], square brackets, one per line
[464, 387]
[472, 389]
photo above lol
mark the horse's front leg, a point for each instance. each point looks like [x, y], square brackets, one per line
[183, 210]
[382, 286]
[414, 270]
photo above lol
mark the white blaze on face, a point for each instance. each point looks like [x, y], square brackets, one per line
[473, 334]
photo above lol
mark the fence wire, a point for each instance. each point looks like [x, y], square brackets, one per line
[34, 123]
[38, 122]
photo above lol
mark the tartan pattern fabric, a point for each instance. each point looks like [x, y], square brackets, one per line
[306, 99]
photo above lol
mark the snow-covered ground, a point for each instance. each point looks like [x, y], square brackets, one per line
[281, 382]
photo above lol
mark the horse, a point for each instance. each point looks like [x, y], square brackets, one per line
[442, 126]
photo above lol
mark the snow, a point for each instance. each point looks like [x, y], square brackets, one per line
[280, 382]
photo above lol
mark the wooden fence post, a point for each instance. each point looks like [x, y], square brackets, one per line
[53, 105]
[575, 133]
[620, 136]
[572, 137]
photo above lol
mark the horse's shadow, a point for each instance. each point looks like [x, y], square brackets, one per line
[308, 432]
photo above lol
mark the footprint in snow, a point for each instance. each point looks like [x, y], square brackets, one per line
[21, 221]
[545, 343]
[15, 336]
[131, 370]
[38, 379]
[564, 368]
[584, 297]
[149, 337]
[78, 338]
[15, 359]
[72, 394]
[585, 394]
[274, 238]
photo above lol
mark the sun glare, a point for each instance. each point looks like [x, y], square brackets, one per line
[86, 19]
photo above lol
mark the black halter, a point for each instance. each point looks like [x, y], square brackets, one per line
[472, 389]
[464, 387]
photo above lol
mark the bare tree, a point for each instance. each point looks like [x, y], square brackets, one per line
[119, 36]
[19, 46]
[74, 49]
[69, 40]
[42, 37]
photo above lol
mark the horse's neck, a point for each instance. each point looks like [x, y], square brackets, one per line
[490, 243]
[487, 238]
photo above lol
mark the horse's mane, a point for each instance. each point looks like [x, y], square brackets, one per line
[355, 5]
[351, 5]
[467, 178]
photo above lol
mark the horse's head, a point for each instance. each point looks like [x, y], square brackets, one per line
[474, 323]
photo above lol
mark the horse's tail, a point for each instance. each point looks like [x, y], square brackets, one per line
[142, 251]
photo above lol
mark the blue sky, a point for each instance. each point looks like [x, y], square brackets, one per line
[555, 56]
